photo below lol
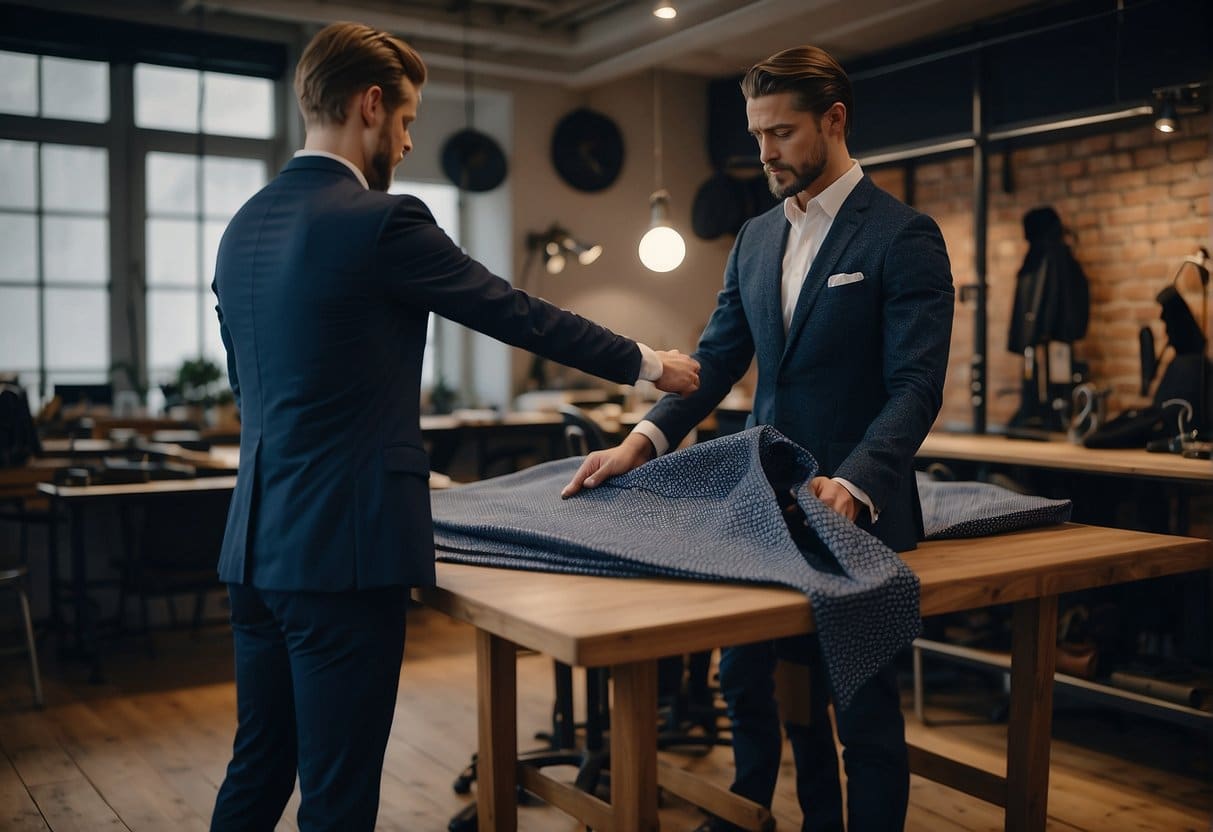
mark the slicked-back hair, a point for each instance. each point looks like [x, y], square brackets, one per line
[811, 73]
[346, 58]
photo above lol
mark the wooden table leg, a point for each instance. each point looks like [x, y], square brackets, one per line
[634, 747]
[497, 715]
[1033, 657]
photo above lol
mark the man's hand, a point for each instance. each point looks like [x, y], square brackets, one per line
[600, 466]
[679, 373]
[835, 496]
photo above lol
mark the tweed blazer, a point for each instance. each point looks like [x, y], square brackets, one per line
[858, 377]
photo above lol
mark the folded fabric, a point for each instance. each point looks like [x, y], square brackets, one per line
[977, 509]
[722, 510]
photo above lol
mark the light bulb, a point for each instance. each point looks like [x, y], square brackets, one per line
[662, 249]
[665, 10]
[589, 255]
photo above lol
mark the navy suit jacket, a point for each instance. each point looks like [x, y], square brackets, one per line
[858, 379]
[324, 289]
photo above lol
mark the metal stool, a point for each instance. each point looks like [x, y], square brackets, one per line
[14, 578]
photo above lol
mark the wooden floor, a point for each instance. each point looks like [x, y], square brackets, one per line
[147, 750]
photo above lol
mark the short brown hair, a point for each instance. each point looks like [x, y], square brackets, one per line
[345, 58]
[811, 73]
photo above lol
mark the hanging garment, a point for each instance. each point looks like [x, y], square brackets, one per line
[1051, 296]
[717, 511]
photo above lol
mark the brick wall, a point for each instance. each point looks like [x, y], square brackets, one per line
[1137, 202]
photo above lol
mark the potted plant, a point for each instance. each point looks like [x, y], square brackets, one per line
[201, 387]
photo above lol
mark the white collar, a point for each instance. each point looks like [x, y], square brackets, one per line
[361, 176]
[830, 200]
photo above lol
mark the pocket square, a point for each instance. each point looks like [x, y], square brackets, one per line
[843, 279]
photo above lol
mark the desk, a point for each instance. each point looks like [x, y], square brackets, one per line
[73, 500]
[628, 626]
[72, 451]
[445, 433]
[1060, 454]
[20, 483]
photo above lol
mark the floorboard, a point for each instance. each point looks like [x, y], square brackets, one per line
[147, 750]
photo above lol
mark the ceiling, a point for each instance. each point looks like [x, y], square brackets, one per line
[583, 43]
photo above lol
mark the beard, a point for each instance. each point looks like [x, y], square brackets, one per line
[379, 171]
[805, 176]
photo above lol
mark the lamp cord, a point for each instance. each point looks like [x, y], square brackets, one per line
[657, 138]
[469, 108]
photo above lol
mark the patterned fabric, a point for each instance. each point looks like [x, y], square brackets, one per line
[722, 510]
[977, 509]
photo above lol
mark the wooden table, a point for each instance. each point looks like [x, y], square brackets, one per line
[1060, 454]
[628, 624]
[445, 433]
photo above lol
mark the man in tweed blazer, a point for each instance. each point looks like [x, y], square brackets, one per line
[844, 296]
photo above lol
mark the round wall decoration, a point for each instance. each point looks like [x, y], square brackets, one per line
[587, 150]
[473, 160]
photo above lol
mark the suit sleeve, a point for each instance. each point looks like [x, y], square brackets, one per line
[724, 353]
[917, 329]
[420, 265]
[232, 379]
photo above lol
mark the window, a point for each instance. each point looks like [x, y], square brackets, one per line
[194, 145]
[54, 223]
[188, 207]
[39, 85]
[443, 202]
[189, 197]
[54, 277]
[168, 98]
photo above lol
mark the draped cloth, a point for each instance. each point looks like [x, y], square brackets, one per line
[734, 509]
[978, 509]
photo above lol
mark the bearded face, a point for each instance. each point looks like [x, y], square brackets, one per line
[785, 178]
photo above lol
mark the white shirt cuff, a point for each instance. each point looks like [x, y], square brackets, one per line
[651, 367]
[859, 494]
[653, 433]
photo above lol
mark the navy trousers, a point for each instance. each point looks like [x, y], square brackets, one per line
[871, 731]
[316, 679]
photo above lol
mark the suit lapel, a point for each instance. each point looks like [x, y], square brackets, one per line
[768, 289]
[849, 218]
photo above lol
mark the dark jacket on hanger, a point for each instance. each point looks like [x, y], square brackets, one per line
[1051, 298]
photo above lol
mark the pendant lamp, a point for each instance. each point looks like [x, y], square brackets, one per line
[662, 248]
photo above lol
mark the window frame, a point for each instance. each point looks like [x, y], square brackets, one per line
[127, 147]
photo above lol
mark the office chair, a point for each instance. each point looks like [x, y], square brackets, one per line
[15, 576]
[581, 433]
[171, 548]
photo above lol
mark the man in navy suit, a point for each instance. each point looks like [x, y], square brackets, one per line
[844, 295]
[324, 285]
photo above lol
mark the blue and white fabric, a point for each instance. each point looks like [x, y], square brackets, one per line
[714, 511]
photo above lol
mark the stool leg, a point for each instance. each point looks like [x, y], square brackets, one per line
[35, 676]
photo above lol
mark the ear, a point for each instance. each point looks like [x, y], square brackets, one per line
[834, 119]
[370, 105]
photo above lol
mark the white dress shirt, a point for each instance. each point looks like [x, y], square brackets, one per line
[650, 364]
[808, 231]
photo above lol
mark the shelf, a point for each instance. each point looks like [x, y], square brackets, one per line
[1093, 691]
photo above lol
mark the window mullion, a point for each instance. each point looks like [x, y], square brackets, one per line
[126, 301]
